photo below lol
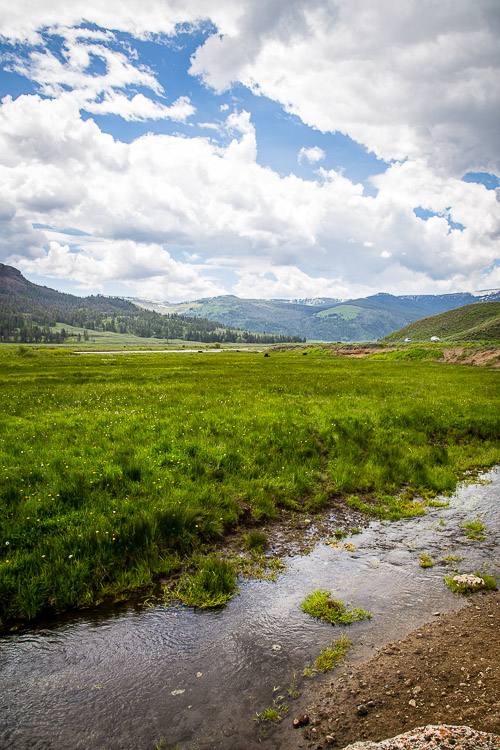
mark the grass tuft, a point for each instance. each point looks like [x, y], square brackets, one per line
[426, 560]
[333, 655]
[320, 604]
[213, 584]
[256, 540]
[475, 528]
[273, 714]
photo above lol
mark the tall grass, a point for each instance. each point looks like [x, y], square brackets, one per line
[113, 468]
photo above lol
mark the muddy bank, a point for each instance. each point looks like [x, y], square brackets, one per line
[447, 671]
[463, 355]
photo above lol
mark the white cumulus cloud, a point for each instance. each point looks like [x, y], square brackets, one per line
[313, 154]
[419, 87]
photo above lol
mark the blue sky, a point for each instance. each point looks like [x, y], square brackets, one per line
[292, 150]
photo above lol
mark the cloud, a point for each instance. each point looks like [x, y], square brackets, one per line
[420, 88]
[140, 108]
[147, 269]
[24, 19]
[160, 191]
[72, 74]
[420, 83]
[313, 154]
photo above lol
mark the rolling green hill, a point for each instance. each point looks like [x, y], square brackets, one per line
[479, 322]
[30, 313]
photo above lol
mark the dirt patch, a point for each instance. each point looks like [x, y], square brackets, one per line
[446, 672]
[453, 355]
[363, 351]
[478, 358]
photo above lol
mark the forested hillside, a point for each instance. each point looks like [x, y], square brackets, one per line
[363, 319]
[29, 313]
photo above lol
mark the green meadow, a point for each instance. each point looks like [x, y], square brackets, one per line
[116, 468]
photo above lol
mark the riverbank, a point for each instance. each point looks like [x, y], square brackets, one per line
[447, 671]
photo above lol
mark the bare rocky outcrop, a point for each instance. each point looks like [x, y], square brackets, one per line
[444, 737]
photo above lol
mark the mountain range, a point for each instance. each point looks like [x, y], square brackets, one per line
[323, 319]
[30, 313]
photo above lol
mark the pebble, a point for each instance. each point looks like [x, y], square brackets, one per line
[302, 721]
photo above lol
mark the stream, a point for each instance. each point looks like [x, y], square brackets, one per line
[121, 677]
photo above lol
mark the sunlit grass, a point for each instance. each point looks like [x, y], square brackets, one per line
[114, 469]
[426, 560]
[475, 529]
[320, 604]
[330, 656]
[212, 584]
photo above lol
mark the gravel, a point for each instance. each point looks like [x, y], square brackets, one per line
[444, 737]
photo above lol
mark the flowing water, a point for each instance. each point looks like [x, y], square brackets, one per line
[121, 678]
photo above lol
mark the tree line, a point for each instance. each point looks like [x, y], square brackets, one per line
[30, 314]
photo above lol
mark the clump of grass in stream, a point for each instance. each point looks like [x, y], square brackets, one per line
[448, 559]
[160, 744]
[470, 583]
[475, 528]
[426, 560]
[273, 714]
[388, 507]
[114, 469]
[256, 541]
[333, 655]
[212, 584]
[320, 604]
[259, 566]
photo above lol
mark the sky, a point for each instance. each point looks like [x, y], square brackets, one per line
[284, 149]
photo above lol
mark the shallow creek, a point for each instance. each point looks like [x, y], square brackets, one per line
[121, 678]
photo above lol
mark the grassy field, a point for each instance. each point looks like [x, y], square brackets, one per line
[114, 468]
